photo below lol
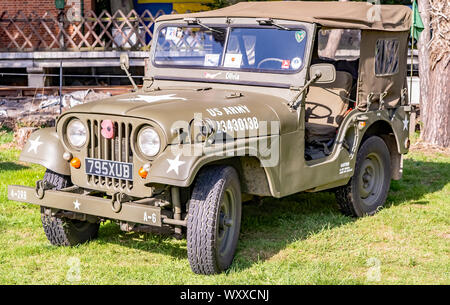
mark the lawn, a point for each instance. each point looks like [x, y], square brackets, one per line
[301, 239]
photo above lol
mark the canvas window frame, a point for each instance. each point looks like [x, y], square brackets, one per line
[387, 73]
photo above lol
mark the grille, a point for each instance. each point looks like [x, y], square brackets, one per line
[116, 149]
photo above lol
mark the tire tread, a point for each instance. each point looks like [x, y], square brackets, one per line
[203, 209]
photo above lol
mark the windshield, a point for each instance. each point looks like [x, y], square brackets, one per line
[249, 49]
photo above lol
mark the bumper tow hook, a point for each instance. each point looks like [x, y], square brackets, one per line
[41, 187]
[116, 202]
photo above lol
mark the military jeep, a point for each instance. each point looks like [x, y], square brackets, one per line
[243, 102]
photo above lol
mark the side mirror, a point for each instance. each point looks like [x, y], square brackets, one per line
[125, 65]
[124, 61]
[326, 73]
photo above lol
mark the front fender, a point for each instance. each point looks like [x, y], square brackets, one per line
[179, 167]
[45, 148]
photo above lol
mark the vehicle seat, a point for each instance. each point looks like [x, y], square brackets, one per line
[325, 110]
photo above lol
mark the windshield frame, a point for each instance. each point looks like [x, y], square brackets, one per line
[228, 28]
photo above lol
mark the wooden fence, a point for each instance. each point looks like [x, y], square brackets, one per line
[118, 31]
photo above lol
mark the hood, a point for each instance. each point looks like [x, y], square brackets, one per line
[233, 111]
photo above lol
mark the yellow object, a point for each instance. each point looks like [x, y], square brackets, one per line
[185, 7]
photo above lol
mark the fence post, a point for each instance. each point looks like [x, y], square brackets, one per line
[60, 87]
[61, 24]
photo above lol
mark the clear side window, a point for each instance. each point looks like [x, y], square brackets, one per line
[339, 44]
[386, 57]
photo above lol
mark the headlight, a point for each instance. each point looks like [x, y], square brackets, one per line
[149, 142]
[76, 133]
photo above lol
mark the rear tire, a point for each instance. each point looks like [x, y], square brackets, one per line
[214, 220]
[367, 190]
[63, 231]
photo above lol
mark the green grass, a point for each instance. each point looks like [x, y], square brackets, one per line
[302, 239]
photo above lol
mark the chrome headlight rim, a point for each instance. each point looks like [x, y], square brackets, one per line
[154, 152]
[69, 141]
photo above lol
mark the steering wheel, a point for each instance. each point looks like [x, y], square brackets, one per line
[310, 111]
[268, 59]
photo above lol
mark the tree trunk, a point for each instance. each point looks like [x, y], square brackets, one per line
[424, 62]
[333, 41]
[332, 44]
[435, 105]
[437, 125]
[124, 5]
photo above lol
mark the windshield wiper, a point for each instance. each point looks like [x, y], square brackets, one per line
[192, 21]
[269, 21]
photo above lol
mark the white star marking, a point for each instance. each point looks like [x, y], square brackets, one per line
[155, 98]
[76, 204]
[405, 123]
[175, 164]
[34, 144]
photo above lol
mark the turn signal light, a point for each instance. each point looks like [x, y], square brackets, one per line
[75, 162]
[143, 171]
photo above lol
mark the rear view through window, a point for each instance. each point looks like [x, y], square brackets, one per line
[386, 57]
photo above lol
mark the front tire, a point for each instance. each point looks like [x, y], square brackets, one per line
[367, 190]
[63, 231]
[214, 220]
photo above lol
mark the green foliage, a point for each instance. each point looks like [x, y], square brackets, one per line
[6, 135]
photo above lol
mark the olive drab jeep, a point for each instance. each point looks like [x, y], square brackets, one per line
[243, 102]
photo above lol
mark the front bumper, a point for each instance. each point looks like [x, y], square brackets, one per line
[142, 211]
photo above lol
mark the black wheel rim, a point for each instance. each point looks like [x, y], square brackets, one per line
[370, 179]
[80, 226]
[227, 222]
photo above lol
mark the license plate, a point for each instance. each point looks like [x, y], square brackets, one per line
[111, 169]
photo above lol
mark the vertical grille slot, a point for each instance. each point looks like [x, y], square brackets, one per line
[116, 149]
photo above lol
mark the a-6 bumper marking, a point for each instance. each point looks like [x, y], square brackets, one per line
[130, 211]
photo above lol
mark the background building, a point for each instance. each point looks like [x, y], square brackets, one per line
[84, 36]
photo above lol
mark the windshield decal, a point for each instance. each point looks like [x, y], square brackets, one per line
[211, 60]
[233, 60]
[174, 34]
[299, 36]
[285, 64]
[296, 63]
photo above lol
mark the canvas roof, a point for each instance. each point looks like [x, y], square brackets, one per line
[334, 14]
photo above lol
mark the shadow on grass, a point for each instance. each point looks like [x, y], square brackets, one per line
[11, 166]
[267, 227]
[419, 178]
[271, 225]
[151, 242]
